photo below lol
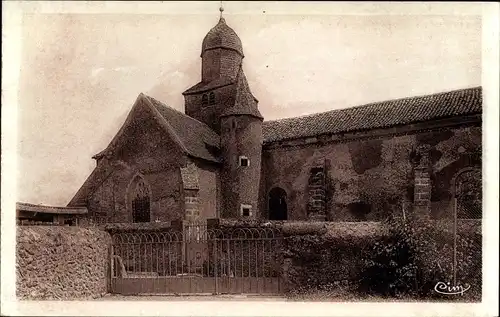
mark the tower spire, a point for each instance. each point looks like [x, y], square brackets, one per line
[221, 9]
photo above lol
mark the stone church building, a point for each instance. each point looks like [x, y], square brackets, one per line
[221, 159]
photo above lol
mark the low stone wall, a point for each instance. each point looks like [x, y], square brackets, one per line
[331, 256]
[61, 262]
[138, 227]
[347, 259]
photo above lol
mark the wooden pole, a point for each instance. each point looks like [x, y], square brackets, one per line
[455, 216]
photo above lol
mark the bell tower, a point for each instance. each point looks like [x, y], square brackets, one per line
[223, 101]
[222, 55]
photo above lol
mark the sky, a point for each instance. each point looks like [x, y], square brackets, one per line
[81, 73]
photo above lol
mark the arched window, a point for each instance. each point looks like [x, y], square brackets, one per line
[277, 204]
[211, 98]
[204, 100]
[468, 194]
[141, 201]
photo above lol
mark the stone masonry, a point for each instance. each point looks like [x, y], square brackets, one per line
[60, 263]
[317, 192]
[191, 186]
[422, 191]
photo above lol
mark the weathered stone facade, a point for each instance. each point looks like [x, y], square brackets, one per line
[241, 138]
[221, 159]
[143, 152]
[60, 263]
[375, 171]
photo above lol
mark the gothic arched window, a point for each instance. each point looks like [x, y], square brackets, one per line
[211, 98]
[204, 100]
[140, 201]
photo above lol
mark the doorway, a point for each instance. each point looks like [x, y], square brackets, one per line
[277, 204]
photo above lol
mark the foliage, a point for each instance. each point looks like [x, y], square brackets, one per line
[323, 263]
[417, 254]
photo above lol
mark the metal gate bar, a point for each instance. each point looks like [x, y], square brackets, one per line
[245, 260]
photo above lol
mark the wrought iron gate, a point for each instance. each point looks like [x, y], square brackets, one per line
[242, 261]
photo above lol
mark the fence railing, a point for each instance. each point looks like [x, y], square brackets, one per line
[194, 261]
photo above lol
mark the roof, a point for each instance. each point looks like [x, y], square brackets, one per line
[194, 137]
[197, 138]
[93, 181]
[51, 209]
[205, 86]
[222, 36]
[244, 103]
[377, 115]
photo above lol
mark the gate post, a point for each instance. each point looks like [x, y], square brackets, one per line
[455, 216]
[287, 262]
[216, 265]
[110, 268]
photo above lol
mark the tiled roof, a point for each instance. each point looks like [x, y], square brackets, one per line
[51, 209]
[223, 36]
[377, 115]
[198, 139]
[95, 179]
[205, 86]
[245, 103]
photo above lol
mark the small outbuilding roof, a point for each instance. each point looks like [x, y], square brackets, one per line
[51, 209]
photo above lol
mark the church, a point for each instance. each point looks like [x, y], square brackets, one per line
[222, 159]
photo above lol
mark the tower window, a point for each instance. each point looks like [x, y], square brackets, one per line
[211, 99]
[246, 210]
[204, 100]
[244, 161]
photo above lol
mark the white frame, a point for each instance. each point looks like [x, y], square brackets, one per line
[242, 157]
[245, 206]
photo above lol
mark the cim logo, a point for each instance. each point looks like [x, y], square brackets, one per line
[448, 289]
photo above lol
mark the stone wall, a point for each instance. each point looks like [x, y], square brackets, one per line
[368, 173]
[220, 62]
[148, 153]
[338, 260]
[241, 136]
[330, 255]
[61, 262]
[209, 192]
[209, 114]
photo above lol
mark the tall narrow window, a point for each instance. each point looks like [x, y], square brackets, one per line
[211, 99]
[141, 202]
[204, 100]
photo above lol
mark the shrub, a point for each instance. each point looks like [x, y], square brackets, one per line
[324, 263]
[417, 254]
